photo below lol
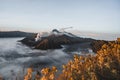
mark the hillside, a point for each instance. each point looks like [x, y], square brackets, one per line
[55, 41]
[14, 34]
[66, 39]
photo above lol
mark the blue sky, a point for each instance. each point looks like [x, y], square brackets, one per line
[44, 15]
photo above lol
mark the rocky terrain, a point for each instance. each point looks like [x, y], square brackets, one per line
[97, 44]
[68, 40]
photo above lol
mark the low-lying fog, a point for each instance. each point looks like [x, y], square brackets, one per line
[16, 57]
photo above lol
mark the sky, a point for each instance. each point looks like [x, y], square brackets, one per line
[44, 15]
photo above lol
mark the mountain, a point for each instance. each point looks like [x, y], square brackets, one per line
[68, 40]
[14, 34]
[55, 40]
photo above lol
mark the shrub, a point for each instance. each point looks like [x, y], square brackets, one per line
[105, 65]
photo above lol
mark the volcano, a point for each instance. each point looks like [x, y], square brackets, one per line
[57, 39]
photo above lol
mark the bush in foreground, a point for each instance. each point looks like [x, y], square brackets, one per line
[105, 65]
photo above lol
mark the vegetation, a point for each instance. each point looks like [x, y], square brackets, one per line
[105, 65]
[97, 44]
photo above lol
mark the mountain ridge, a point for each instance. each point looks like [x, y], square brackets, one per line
[4, 34]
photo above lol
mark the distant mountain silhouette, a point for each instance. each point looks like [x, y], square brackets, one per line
[15, 34]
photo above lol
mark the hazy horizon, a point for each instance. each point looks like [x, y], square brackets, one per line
[101, 16]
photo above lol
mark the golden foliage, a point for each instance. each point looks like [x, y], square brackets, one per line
[1, 77]
[28, 76]
[48, 74]
[105, 65]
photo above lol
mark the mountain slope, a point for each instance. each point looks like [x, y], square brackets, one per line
[14, 34]
[55, 41]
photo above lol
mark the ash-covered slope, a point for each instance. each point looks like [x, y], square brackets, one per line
[53, 42]
[56, 39]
